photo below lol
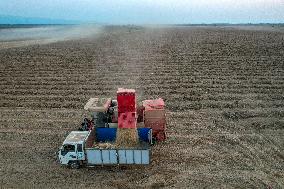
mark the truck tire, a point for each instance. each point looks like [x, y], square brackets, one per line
[74, 165]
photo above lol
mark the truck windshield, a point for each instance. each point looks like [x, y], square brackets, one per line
[67, 148]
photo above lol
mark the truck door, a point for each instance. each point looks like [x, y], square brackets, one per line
[68, 153]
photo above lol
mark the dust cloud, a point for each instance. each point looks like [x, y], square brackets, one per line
[18, 37]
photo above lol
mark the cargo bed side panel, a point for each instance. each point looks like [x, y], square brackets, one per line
[145, 156]
[129, 157]
[121, 157]
[105, 156]
[94, 157]
[118, 156]
[137, 157]
[112, 156]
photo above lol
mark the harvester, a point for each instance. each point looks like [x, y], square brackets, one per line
[119, 132]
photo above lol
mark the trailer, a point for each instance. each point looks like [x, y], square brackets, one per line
[80, 148]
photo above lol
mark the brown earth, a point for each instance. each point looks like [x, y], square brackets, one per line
[223, 88]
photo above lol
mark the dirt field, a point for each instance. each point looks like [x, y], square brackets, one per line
[223, 87]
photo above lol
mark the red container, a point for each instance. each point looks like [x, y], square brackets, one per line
[127, 120]
[154, 117]
[126, 100]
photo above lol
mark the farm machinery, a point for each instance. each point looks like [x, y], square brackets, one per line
[114, 120]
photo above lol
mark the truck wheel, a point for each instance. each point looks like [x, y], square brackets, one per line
[74, 165]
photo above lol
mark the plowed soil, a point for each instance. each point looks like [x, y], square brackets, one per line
[223, 89]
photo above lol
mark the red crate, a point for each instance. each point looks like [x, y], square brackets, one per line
[127, 120]
[154, 114]
[154, 117]
[126, 100]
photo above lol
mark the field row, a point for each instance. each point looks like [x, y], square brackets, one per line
[181, 105]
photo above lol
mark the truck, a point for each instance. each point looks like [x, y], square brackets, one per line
[94, 142]
[78, 149]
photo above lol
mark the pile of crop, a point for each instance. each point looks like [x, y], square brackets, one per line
[126, 137]
[104, 145]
